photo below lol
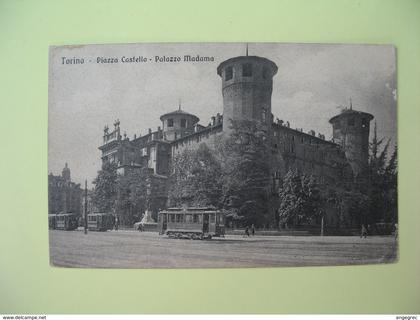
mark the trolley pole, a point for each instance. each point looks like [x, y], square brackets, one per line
[86, 194]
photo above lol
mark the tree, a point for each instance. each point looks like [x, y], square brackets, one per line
[132, 199]
[382, 181]
[105, 191]
[391, 180]
[195, 178]
[245, 177]
[301, 199]
[351, 205]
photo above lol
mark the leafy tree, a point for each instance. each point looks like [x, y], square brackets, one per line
[301, 199]
[195, 178]
[132, 195]
[391, 180]
[351, 205]
[245, 177]
[105, 191]
[382, 181]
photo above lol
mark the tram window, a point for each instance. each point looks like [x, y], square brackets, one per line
[179, 218]
[195, 218]
[172, 217]
[212, 218]
[188, 218]
[198, 218]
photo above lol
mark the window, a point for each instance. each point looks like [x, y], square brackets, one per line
[247, 70]
[195, 218]
[188, 218]
[179, 218]
[228, 73]
[265, 73]
[264, 116]
[170, 122]
[212, 218]
[183, 123]
[365, 123]
[350, 122]
[172, 218]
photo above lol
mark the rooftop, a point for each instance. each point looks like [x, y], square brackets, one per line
[179, 112]
[349, 112]
[241, 58]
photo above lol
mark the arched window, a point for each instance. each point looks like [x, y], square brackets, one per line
[247, 70]
[264, 116]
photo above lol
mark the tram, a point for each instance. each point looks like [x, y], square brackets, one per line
[65, 221]
[100, 221]
[52, 221]
[191, 223]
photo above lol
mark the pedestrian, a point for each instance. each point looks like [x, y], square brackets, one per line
[116, 223]
[363, 234]
[247, 231]
[396, 231]
[253, 230]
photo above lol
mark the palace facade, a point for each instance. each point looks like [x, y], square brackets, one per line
[247, 84]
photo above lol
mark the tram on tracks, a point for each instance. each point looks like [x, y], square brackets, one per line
[52, 221]
[100, 221]
[63, 221]
[191, 223]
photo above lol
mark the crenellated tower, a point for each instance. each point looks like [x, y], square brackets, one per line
[351, 131]
[247, 84]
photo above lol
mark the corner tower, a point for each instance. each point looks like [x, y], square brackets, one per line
[177, 124]
[247, 84]
[351, 130]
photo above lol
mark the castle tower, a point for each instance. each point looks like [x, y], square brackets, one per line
[66, 173]
[247, 84]
[351, 131]
[177, 124]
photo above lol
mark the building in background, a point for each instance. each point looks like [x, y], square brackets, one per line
[64, 196]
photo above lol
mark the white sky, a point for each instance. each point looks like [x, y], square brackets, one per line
[312, 81]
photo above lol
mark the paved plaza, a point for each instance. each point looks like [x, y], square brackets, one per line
[131, 249]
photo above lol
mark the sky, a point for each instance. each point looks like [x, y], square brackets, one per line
[313, 83]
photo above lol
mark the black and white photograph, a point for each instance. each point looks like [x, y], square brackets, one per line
[222, 155]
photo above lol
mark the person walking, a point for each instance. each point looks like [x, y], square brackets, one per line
[247, 231]
[396, 231]
[363, 234]
[116, 223]
[253, 230]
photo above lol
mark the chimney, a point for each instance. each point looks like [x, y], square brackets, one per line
[213, 121]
